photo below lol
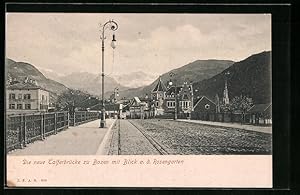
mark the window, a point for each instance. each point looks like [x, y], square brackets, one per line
[27, 96]
[27, 106]
[171, 104]
[12, 96]
[19, 106]
[185, 104]
[20, 96]
[207, 106]
[11, 106]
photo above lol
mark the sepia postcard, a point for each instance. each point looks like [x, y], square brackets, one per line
[138, 100]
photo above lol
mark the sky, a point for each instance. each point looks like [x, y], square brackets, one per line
[63, 43]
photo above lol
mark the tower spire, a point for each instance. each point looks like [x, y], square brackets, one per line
[225, 93]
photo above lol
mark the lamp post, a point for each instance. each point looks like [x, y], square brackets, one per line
[110, 25]
[116, 94]
[171, 83]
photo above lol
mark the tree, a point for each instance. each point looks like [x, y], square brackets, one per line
[71, 99]
[241, 103]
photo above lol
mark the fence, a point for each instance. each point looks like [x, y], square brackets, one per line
[24, 129]
[221, 117]
[80, 117]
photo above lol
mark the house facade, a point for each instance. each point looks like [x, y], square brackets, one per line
[139, 109]
[158, 95]
[26, 97]
[203, 108]
[171, 98]
[260, 114]
[180, 97]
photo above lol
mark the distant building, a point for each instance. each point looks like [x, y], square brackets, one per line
[26, 97]
[225, 94]
[114, 96]
[158, 95]
[260, 114]
[137, 109]
[112, 110]
[149, 108]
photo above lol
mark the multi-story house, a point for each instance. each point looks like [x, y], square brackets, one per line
[158, 94]
[180, 97]
[26, 97]
[167, 98]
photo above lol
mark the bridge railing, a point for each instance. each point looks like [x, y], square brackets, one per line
[81, 117]
[24, 129]
[27, 128]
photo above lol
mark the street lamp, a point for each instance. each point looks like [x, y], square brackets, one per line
[110, 25]
[175, 95]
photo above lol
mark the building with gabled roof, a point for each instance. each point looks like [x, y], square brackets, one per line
[261, 113]
[203, 108]
[160, 86]
[140, 109]
[26, 97]
[184, 96]
[158, 94]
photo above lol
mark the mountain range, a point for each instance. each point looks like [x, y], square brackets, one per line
[90, 83]
[250, 77]
[135, 79]
[191, 72]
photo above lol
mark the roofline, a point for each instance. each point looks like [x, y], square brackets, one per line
[259, 104]
[267, 107]
[10, 87]
[163, 85]
[198, 102]
[201, 100]
[250, 108]
[28, 88]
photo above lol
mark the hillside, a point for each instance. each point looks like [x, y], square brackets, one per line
[20, 70]
[251, 77]
[192, 72]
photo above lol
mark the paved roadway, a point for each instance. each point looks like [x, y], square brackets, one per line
[130, 141]
[84, 139]
[196, 138]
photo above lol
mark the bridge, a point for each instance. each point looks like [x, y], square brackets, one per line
[22, 130]
[79, 134]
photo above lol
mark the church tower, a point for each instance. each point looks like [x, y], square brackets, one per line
[225, 93]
